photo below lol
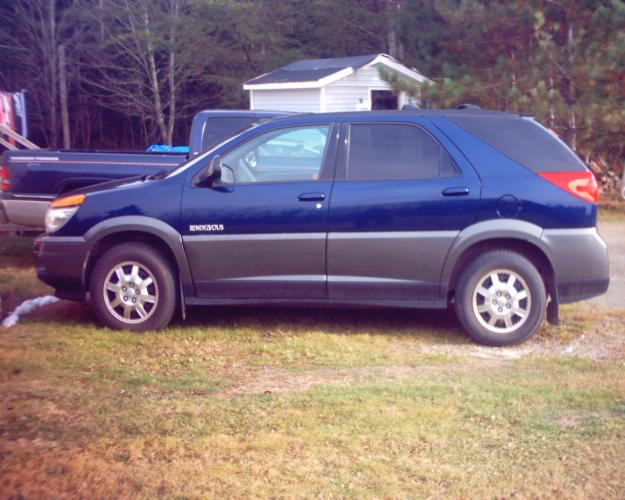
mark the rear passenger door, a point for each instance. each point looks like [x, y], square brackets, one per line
[402, 194]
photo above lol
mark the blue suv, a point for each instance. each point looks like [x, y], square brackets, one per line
[484, 211]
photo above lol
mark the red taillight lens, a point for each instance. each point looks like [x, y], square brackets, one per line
[580, 184]
[5, 182]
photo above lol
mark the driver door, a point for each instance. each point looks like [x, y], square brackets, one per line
[263, 234]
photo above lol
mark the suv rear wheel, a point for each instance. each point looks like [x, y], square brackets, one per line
[501, 298]
[133, 288]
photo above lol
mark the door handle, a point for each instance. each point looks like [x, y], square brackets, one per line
[311, 197]
[456, 191]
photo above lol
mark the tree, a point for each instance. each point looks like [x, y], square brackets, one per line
[535, 57]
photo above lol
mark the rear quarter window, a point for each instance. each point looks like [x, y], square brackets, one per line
[524, 140]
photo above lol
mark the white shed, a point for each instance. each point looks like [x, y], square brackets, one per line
[336, 84]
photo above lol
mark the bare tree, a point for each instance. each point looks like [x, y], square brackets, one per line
[141, 64]
[35, 45]
[67, 141]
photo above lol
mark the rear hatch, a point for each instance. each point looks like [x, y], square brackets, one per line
[535, 147]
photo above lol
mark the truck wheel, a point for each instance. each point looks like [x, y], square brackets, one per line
[500, 298]
[133, 288]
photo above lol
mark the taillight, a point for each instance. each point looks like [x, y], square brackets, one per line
[580, 184]
[5, 182]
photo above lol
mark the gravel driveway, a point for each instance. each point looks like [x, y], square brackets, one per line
[613, 233]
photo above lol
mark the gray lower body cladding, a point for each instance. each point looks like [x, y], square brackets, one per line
[61, 264]
[580, 261]
[364, 266]
[395, 269]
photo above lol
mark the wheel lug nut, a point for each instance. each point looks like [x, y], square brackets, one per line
[501, 309]
[494, 302]
[134, 301]
[508, 306]
[125, 297]
[123, 289]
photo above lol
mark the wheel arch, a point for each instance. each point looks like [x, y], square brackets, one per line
[157, 233]
[517, 236]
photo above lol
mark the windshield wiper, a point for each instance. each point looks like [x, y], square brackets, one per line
[158, 175]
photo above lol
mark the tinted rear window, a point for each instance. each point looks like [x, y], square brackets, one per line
[219, 129]
[524, 140]
[394, 151]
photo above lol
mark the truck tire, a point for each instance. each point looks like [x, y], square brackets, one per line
[500, 298]
[133, 288]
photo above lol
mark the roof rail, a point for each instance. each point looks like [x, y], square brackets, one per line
[468, 106]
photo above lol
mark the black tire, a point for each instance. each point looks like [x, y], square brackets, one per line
[153, 271]
[469, 301]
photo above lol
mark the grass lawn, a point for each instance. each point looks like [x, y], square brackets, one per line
[248, 402]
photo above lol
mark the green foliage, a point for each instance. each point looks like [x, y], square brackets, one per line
[561, 62]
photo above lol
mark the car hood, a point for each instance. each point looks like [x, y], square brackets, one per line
[108, 185]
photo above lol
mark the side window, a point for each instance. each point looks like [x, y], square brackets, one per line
[289, 154]
[395, 151]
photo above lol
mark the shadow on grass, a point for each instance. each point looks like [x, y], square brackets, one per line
[337, 321]
[292, 321]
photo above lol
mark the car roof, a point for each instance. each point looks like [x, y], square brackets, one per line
[384, 115]
[242, 113]
[420, 112]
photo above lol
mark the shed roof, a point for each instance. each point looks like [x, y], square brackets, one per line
[312, 73]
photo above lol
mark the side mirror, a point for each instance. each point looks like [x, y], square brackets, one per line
[227, 175]
[211, 172]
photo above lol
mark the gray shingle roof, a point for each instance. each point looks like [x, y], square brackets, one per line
[312, 70]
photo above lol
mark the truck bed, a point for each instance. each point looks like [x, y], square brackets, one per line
[36, 177]
[53, 173]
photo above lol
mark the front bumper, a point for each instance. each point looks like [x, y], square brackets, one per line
[580, 261]
[61, 263]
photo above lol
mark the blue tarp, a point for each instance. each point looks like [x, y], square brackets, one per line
[164, 148]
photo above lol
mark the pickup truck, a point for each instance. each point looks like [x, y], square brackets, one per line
[29, 180]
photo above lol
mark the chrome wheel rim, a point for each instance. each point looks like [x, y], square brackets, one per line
[130, 292]
[501, 301]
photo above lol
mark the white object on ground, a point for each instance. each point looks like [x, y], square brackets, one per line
[27, 307]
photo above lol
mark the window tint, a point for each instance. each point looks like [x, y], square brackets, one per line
[524, 140]
[292, 154]
[220, 128]
[394, 151]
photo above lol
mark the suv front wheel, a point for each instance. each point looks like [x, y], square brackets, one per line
[132, 288]
[501, 298]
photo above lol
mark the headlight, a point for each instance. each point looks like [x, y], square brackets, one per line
[62, 210]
